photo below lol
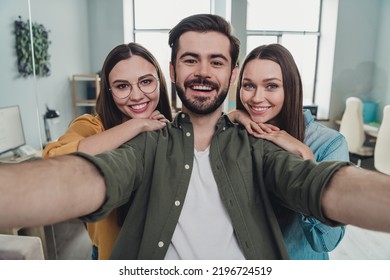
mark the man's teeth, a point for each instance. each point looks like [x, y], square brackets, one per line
[139, 106]
[202, 87]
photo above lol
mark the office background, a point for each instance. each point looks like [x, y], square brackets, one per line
[84, 31]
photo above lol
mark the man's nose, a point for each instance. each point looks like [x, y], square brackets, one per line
[203, 70]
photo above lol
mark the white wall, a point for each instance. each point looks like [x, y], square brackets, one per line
[381, 81]
[14, 90]
[69, 51]
[73, 50]
[356, 63]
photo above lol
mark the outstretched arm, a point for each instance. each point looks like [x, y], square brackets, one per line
[48, 191]
[358, 197]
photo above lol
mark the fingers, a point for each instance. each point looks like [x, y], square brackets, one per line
[270, 127]
[260, 128]
[156, 115]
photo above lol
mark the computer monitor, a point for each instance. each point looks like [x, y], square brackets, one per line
[11, 129]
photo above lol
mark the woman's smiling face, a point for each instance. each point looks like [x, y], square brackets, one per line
[126, 74]
[262, 92]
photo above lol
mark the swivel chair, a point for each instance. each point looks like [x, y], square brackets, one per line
[382, 146]
[352, 128]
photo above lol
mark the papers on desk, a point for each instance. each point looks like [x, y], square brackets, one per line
[16, 159]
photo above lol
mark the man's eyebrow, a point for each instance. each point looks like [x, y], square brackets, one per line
[219, 56]
[189, 54]
[195, 55]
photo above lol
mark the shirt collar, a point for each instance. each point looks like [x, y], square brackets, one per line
[182, 118]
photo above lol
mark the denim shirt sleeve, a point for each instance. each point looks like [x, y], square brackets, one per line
[326, 144]
[322, 238]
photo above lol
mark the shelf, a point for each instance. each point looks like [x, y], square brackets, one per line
[82, 91]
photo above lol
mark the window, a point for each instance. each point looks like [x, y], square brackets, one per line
[295, 25]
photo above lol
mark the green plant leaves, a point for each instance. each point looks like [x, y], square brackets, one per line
[23, 48]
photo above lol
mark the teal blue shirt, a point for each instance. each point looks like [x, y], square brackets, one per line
[307, 238]
[151, 174]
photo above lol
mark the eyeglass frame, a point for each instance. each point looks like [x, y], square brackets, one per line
[137, 83]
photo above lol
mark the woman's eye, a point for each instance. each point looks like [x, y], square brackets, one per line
[248, 86]
[145, 82]
[122, 86]
[272, 86]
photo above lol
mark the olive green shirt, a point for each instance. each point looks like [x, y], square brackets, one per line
[152, 172]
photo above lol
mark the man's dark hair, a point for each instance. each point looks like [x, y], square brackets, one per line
[203, 23]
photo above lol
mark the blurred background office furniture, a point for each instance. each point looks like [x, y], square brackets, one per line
[313, 109]
[382, 146]
[351, 126]
[49, 115]
[16, 247]
[85, 94]
[35, 232]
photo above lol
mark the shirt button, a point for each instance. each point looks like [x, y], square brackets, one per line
[160, 244]
[188, 134]
[183, 116]
[186, 166]
[177, 203]
[224, 128]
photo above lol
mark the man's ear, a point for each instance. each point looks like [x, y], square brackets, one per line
[172, 72]
[234, 75]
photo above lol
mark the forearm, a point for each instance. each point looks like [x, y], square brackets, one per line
[302, 150]
[110, 139]
[48, 191]
[358, 197]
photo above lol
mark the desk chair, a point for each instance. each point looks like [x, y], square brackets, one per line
[382, 147]
[351, 126]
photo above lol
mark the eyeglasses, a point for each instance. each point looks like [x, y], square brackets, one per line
[147, 85]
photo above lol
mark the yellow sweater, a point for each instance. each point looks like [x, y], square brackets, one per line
[102, 233]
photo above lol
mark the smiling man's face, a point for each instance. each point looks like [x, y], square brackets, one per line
[202, 73]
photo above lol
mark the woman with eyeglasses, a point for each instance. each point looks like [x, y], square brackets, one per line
[269, 102]
[133, 98]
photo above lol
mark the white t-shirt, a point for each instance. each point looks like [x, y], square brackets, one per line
[204, 230]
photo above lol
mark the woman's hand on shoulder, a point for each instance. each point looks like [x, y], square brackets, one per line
[253, 128]
[156, 121]
[156, 115]
[289, 143]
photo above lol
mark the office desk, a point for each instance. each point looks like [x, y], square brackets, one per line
[371, 129]
[14, 247]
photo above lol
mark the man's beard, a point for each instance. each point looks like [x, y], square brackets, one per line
[202, 105]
